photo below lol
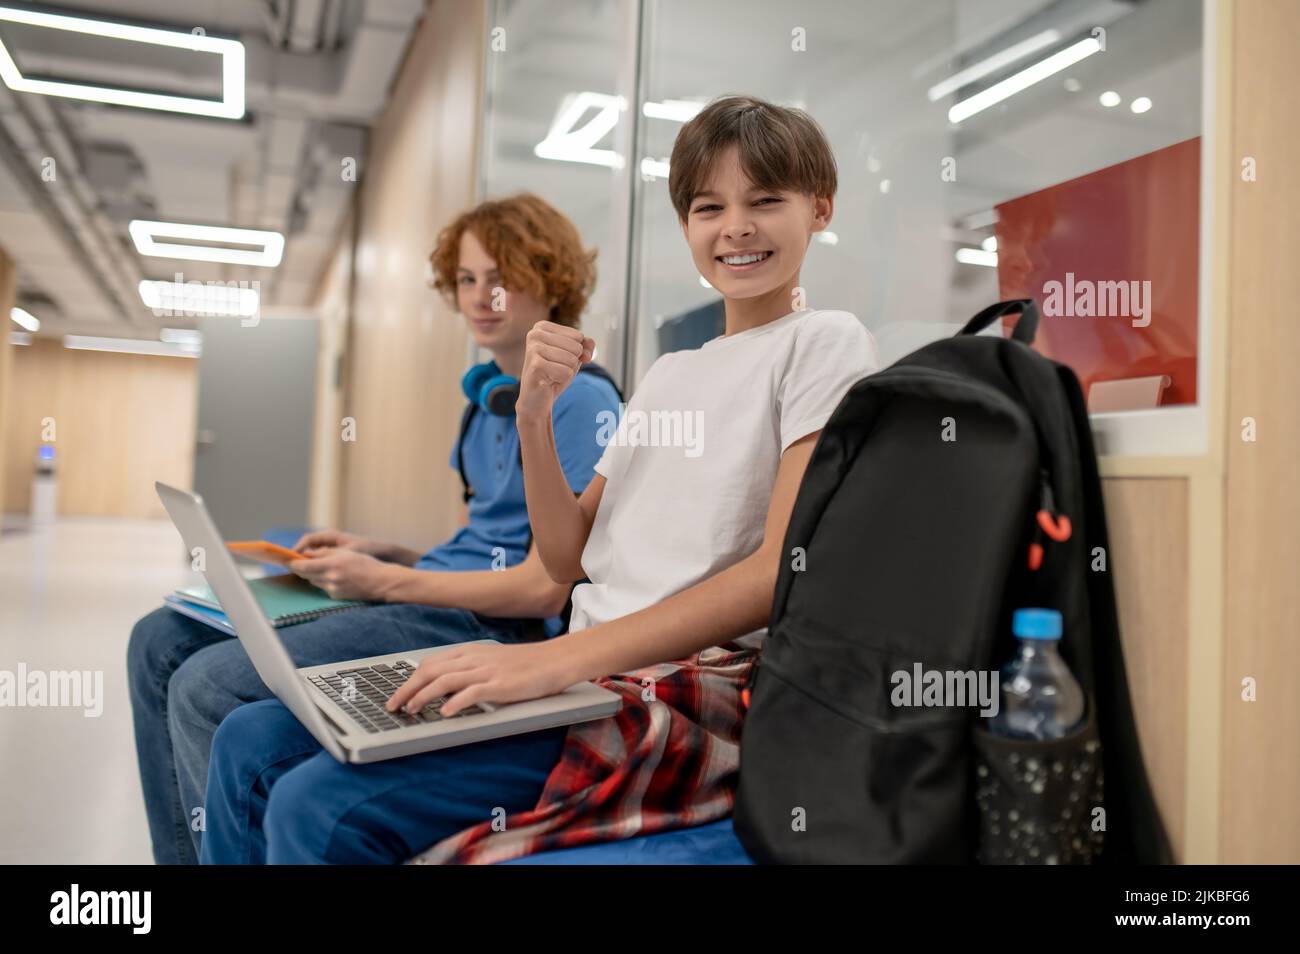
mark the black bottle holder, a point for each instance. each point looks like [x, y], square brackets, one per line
[1037, 798]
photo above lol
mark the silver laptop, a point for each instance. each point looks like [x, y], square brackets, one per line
[342, 704]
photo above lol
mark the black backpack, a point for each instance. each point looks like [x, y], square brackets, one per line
[932, 489]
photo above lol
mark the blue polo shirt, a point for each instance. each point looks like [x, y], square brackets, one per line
[498, 513]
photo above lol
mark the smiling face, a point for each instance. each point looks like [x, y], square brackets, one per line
[501, 329]
[748, 241]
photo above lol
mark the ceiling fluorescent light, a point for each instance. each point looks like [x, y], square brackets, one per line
[25, 319]
[977, 256]
[676, 110]
[20, 338]
[145, 235]
[190, 299]
[230, 106]
[654, 168]
[997, 61]
[1023, 80]
[128, 346]
[568, 144]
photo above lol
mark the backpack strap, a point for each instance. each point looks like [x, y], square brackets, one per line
[468, 415]
[594, 369]
[1025, 328]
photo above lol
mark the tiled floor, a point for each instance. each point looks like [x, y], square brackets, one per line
[69, 594]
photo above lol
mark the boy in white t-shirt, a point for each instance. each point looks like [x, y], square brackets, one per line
[681, 541]
[679, 534]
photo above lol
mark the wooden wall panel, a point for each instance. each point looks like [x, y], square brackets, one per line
[1260, 813]
[332, 303]
[1148, 526]
[122, 421]
[407, 349]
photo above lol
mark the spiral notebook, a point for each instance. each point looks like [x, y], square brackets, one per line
[286, 599]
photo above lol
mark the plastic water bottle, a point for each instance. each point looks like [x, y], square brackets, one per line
[1040, 697]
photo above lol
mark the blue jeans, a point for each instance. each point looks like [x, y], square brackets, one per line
[186, 676]
[275, 797]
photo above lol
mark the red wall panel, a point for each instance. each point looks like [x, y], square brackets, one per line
[1136, 222]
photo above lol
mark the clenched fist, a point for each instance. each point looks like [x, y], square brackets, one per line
[552, 356]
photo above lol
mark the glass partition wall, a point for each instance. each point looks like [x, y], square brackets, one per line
[987, 149]
[556, 122]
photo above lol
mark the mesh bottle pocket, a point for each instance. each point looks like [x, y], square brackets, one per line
[1037, 798]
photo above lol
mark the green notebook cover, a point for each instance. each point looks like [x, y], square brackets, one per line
[284, 598]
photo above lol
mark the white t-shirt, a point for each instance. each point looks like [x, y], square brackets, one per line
[690, 469]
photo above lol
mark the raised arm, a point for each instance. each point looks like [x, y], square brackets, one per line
[560, 523]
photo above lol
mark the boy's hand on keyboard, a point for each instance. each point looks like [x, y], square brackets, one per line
[487, 672]
[345, 574]
[553, 353]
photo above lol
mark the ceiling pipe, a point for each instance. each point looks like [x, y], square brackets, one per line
[35, 134]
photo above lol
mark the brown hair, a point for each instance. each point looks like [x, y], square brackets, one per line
[536, 248]
[781, 148]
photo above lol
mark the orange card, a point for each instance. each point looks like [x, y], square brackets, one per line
[264, 552]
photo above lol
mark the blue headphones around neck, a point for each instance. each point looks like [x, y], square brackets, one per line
[486, 387]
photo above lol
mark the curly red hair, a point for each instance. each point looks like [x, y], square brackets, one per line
[536, 247]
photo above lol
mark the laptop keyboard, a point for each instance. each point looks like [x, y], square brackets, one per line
[362, 692]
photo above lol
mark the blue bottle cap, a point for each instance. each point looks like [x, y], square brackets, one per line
[1036, 624]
